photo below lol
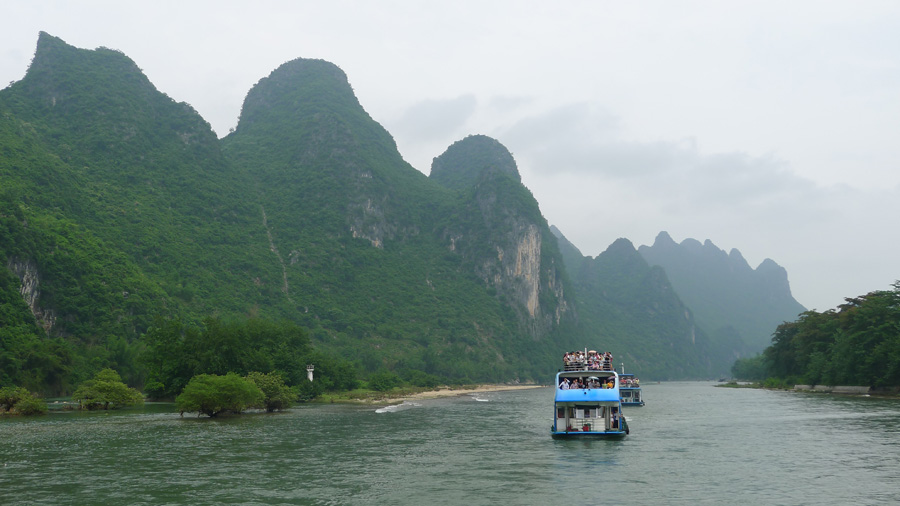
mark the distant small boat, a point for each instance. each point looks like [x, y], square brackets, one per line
[630, 389]
[586, 403]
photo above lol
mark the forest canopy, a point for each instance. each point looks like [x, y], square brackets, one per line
[858, 343]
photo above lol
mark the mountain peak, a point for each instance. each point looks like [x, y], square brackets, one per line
[664, 240]
[469, 160]
[300, 88]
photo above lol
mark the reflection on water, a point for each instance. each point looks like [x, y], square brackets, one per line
[692, 443]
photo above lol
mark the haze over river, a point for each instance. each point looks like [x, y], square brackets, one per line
[692, 443]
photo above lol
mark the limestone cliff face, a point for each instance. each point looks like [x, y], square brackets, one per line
[29, 277]
[503, 233]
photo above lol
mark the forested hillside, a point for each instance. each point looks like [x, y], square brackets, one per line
[636, 314]
[364, 240]
[132, 238]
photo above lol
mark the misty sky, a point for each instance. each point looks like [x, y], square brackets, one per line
[767, 126]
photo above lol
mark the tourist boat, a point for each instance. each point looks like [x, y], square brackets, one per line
[588, 407]
[630, 389]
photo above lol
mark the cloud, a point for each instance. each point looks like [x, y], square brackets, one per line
[429, 120]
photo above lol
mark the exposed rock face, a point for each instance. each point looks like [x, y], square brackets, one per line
[28, 274]
[502, 215]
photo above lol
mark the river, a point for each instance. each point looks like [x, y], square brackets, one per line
[691, 444]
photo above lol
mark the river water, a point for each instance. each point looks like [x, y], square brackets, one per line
[691, 444]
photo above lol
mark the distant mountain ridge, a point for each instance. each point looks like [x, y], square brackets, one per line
[119, 206]
[638, 315]
[725, 293]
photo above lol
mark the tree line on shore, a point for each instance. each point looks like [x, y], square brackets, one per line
[221, 366]
[858, 343]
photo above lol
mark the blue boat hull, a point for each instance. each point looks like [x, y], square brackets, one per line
[581, 434]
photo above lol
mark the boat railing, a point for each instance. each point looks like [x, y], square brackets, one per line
[580, 366]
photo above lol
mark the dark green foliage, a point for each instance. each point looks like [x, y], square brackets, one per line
[750, 369]
[278, 396]
[304, 232]
[106, 391]
[211, 395]
[384, 380]
[176, 352]
[857, 344]
[9, 396]
[18, 400]
[31, 405]
[472, 159]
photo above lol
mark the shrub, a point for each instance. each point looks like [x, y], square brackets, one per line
[9, 396]
[277, 394]
[211, 394]
[384, 380]
[20, 401]
[106, 391]
[31, 405]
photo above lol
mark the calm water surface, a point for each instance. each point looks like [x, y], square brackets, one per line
[691, 444]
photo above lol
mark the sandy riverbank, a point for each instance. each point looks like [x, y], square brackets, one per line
[452, 392]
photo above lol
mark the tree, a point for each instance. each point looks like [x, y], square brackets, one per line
[212, 394]
[9, 396]
[31, 405]
[384, 380]
[277, 394]
[106, 391]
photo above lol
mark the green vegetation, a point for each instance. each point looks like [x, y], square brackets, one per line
[639, 317]
[176, 352]
[106, 391]
[18, 400]
[134, 239]
[857, 344]
[277, 395]
[212, 394]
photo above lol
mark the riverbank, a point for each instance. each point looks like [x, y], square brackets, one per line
[404, 395]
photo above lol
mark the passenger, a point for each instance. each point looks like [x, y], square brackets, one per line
[564, 384]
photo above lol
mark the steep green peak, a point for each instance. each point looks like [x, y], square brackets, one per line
[469, 160]
[60, 72]
[298, 90]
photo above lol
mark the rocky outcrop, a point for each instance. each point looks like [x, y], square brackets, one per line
[501, 216]
[29, 288]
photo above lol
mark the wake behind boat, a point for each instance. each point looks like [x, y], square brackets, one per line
[587, 399]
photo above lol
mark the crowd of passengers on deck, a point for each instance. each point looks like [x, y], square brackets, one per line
[590, 382]
[629, 382]
[592, 361]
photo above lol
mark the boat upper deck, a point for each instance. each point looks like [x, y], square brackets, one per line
[588, 360]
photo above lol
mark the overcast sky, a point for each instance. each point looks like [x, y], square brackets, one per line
[771, 127]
